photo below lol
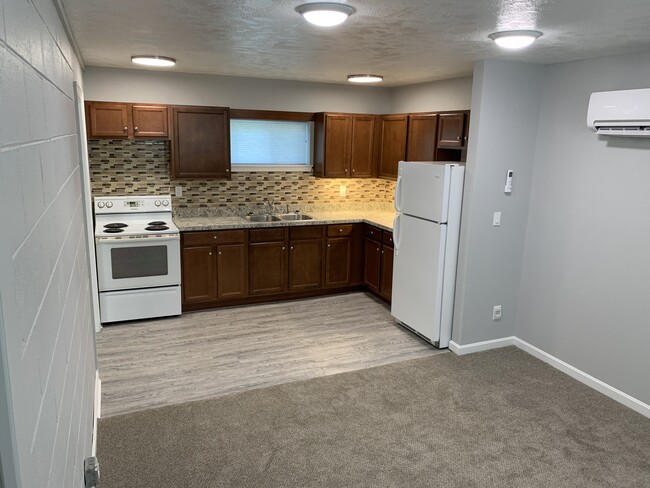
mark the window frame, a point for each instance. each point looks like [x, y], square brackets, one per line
[279, 116]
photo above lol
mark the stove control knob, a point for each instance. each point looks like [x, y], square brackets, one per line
[109, 204]
[100, 204]
[157, 203]
[165, 203]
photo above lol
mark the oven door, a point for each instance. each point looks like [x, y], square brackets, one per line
[138, 262]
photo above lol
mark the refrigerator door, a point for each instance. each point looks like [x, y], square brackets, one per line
[418, 275]
[422, 190]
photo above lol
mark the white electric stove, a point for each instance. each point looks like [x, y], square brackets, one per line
[138, 258]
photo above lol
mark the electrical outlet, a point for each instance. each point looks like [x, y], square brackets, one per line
[496, 312]
[179, 191]
[343, 190]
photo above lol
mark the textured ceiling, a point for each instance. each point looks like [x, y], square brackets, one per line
[406, 41]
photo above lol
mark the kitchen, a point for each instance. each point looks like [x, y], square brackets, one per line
[549, 264]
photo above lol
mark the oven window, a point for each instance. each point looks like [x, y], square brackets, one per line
[136, 262]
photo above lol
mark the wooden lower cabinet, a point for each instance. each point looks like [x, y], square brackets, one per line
[214, 266]
[263, 264]
[232, 271]
[372, 264]
[386, 278]
[268, 267]
[198, 279]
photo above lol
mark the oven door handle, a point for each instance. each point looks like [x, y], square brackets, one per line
[158, 238]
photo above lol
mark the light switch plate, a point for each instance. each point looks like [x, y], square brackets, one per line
[496, 220]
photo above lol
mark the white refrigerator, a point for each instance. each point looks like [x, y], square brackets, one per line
[428, 199]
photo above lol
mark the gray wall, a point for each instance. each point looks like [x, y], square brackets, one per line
[503, 129]
[110, 84]
[586, 275]
[436, 96]
[45, 327]
[191, 89]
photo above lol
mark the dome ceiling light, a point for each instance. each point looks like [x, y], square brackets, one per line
[515, 39]
[363, 78]
[150, 60]
[325, 14]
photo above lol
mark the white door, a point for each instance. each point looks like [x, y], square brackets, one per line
[422, 190]
[418, 274]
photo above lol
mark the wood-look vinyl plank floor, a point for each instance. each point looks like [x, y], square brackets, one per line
[152, 363]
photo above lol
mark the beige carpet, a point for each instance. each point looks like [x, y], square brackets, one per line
[495, 419]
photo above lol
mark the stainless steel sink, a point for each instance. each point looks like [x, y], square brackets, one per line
[295, 216]
[262, 218]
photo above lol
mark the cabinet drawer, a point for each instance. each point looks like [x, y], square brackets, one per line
[214, 237]
[308, 232]
[339, 230]
[387, 238]
[268, 235]
[373, 233]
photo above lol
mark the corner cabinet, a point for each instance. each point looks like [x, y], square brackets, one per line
[112, 120]
[200, 142]
[344, 145]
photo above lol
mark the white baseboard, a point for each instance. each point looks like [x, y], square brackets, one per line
[575, 373]
[587, 379]
[481, 346]
[97, 410]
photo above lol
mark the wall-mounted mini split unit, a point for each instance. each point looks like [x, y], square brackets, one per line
[620, 113]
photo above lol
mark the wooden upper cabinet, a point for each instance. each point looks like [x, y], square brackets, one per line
[126, 120]
[150, 121]
[106, 119]
[451, 130]
[393, 144]
[200, 142]
[422, 131]
[362, 146]
[344, 145]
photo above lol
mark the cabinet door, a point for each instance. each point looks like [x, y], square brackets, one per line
[372, 264]
[150, 121]
[200, 142]
[362, 159]
[421, 137]
[199, 281]
[109, 120]
[305, 264]
[393, 144]
[232, 271]
[386, 278]
[337, 145]
[267, 263]
[337, 261]
[451, 130]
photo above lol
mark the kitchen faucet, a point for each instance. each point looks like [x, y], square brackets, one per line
[269, 202]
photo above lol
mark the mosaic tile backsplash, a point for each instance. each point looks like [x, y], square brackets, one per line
[119, 167]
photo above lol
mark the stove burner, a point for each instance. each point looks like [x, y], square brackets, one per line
[117, 225]
[157, 222]
[156, 227]
[113, 230]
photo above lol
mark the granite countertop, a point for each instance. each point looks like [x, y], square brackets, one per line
[381, 219]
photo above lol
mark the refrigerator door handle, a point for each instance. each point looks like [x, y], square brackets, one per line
[396, 233]
[398, 194]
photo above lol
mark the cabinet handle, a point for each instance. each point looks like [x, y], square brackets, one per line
[328, 245]
[214, 237]
[458, 138]
[292, 248]
[377, 249]
[136, 129]
[283, 248]
[209, 254]
[340, 230]
[382, 252]
[126, 129]
[354, 170]
[227, 171]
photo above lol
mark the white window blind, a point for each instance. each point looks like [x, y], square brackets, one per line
[270, 144]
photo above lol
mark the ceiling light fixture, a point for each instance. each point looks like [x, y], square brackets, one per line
[515, 39]
[149, 60]
[325, 14]
[365, 78]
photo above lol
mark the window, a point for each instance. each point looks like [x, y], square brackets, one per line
[270, 145]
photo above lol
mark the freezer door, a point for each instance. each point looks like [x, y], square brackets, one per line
[418, 275]
[422, 190]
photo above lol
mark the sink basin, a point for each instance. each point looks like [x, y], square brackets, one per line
[295, 216]
[262, 218]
